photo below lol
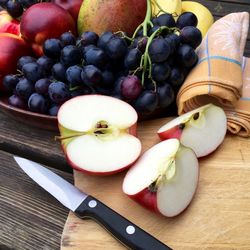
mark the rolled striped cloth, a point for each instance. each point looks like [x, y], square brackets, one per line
[221, 75]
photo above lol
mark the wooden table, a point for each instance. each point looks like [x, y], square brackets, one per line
[29, 217]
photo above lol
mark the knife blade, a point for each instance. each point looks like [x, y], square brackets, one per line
[85, 206]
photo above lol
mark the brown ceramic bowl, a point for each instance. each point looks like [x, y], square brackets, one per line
[30, 118]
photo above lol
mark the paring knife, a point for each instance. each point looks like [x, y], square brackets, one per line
[86, 206]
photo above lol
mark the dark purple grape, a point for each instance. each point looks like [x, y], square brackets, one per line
[103, 91]
[166, 20]
[91, 75]
[33, 71]
[10, 82]
[176, 78]
[71, 55]
[149, 84]
[59, 72]
[17, 102]
[59, 92]
[160, 71]
[191, 35]
[28, 3]
[147, 102]
[95, 56]
[84, 49]
[140, 43]
[132, 59]
[107, 79]
[117, 86]
[174, 41]
[24, 88]
[116, 48]
[67, 38]
[186, 56]
[37, 103]
[131, 87]
[53, 110]
[24, 60]
[14, 8]
[186, 19]
[104, 38]
[46, 63]
[154, 20]
[139, 33]
[73, 75]
[88, 38]
[159, 50]
[42, 85]
[166, 95]
[52, 48]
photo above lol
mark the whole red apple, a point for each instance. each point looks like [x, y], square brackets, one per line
[43, 21]
[8, 24]
[12, 47]
[72, 6]
[111, 15]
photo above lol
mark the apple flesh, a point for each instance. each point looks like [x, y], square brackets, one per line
[73, 7]
[112, 15]
[43, 21]
[12, 47]
[98, 134]
[202, 129]
[8, 24]
[164, 179]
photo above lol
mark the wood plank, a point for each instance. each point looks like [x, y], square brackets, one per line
[35, 144]
[30, 218]
[218, 217]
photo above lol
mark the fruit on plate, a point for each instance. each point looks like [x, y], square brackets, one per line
[11, 48]
[164, 179]
[170, 6]
[202, 129]
[123, 15]
[98, 134]
[73, 7]
[8, 24]
[42, 21]
[205, 17]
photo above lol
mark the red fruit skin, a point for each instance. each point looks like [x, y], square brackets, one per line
[8, 24]
[12, 47]
[72, 6]
[147, 199]
[43, 21]
[174, 132]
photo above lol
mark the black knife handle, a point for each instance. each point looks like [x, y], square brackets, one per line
[128, 233]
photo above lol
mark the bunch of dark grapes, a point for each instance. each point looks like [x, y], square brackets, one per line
[15, 8]
[145, 71]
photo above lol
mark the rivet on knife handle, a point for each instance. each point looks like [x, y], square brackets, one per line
[129, 234]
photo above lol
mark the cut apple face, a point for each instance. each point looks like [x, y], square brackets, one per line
[98, 134]
[164, 179]
[202, 129]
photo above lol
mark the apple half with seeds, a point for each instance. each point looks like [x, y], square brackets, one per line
[164, 179]
[98, 134]
[202, 129]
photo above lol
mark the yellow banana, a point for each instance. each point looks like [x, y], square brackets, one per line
[169, 6]
[205, 18]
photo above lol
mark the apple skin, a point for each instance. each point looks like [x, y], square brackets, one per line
[43, 21]
[8, 24]
[123, 15]
[72, 6]
[12, 47]
[174, 132]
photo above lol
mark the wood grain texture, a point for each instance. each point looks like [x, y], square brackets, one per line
[218, 217]
[30, 218]
[35, 144]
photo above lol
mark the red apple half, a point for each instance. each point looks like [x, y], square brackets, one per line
[202, 129]
[98, 134]
[164, 179]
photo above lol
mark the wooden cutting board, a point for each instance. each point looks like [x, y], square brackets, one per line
[217, 218]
